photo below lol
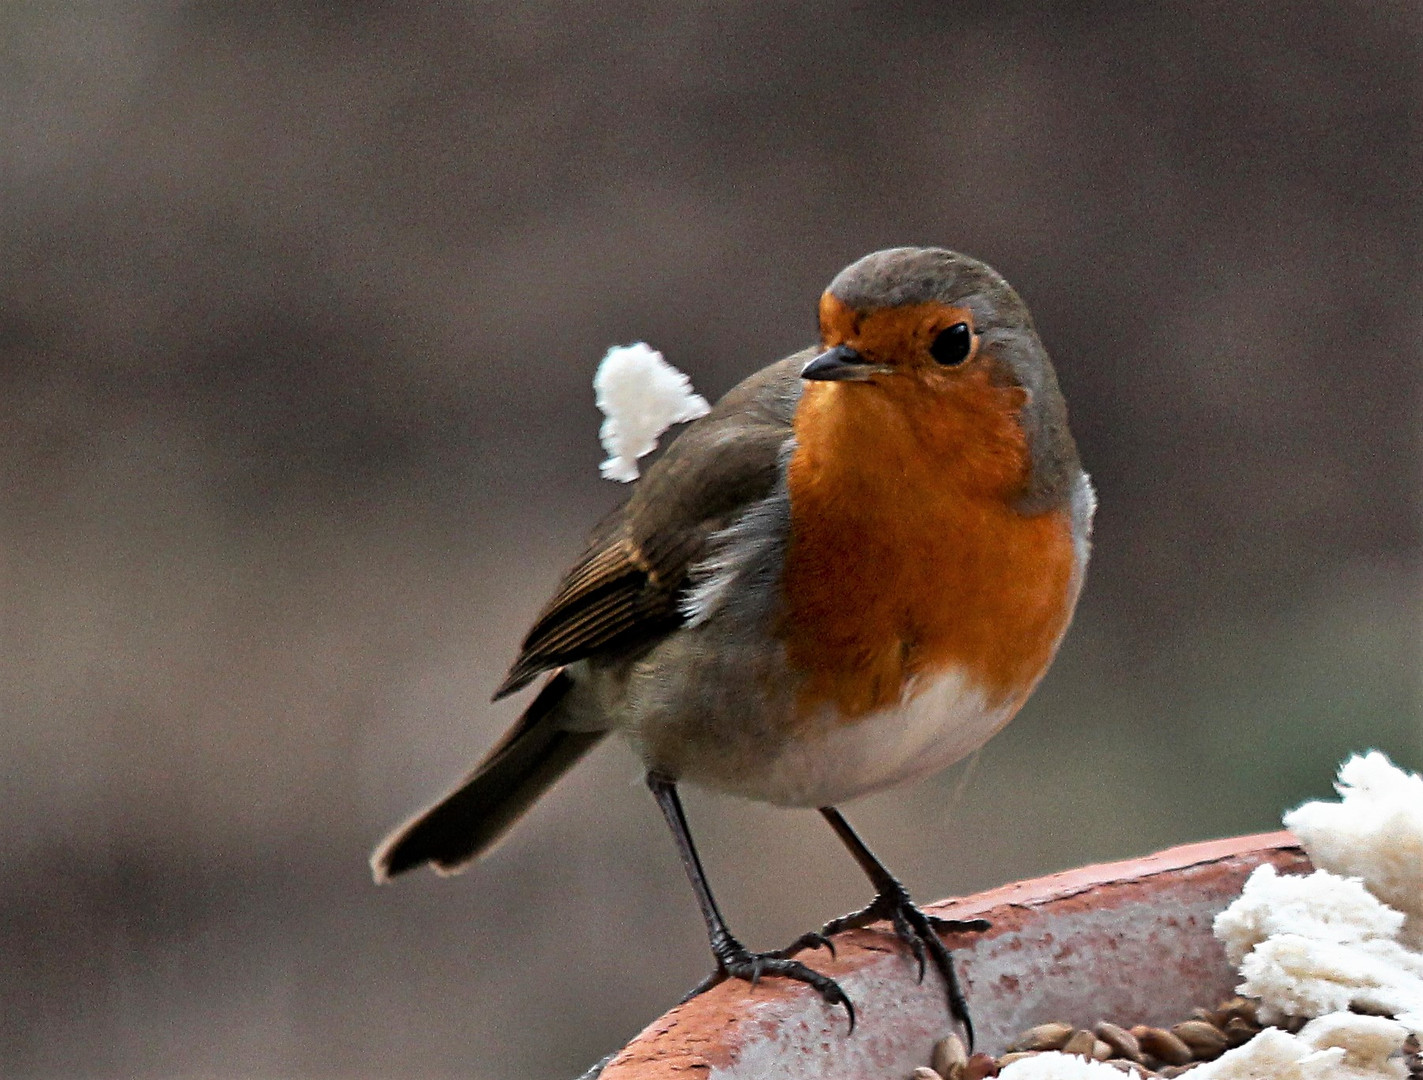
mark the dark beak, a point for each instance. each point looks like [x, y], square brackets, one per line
[837, 364]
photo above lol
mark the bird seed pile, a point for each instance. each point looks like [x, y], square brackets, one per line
[1331, 963]
[1142, 1051]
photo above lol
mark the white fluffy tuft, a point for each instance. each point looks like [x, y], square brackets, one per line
[641, 395]
[1371, 1044]
[1293, 975]
[1273, 1055]
[1320, 906]
[1374, 833]
[1058, 1066]
[1319, 944]
[1341, 1046]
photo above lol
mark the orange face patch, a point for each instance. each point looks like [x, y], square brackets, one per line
[907, 553]
[899, 336]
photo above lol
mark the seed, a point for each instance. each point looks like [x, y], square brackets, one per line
[1162, 1045]
[1080, 1043]
[949, 1057]
[1206, 1041]
[1122, 1042]
[1042, 1037]
[1143, 1053]
[1245, 1008]
[1239, 1031]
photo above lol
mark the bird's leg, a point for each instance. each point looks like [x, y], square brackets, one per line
[734, 960]
[916, 929]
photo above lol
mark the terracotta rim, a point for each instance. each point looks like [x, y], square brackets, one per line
[781, 1028]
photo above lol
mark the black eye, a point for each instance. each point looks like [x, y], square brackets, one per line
[953, 345]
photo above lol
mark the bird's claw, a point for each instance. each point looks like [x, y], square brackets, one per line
[942, 925]
[812, 939]
[735, 961]
[909, 934]
[917, 929]
[920, 933]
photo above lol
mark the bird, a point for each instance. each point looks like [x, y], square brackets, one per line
[848, 575]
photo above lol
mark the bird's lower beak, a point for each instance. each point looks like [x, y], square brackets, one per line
[839, 364]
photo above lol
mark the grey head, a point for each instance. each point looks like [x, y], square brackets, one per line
[907, 276]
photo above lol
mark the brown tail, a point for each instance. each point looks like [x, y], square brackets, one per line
[471, 819]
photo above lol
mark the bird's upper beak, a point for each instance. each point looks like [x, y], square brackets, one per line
[839, 364]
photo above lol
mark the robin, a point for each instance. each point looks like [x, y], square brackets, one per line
[848, 575]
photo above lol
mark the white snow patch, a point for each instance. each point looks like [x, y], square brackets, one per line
[1054, 1065]
[1293, 975]
[1272, 1055]
[1370, 1043]
[1374, 833]
[1341, 1046]
[641, 396]
[1316, 944]
[1320, 906]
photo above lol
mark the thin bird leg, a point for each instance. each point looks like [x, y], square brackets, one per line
[911, 925]
[734, 960]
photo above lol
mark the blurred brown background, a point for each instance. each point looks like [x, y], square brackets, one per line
[299, 305]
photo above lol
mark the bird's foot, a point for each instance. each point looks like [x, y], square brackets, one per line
[735, 961]
[920, 932]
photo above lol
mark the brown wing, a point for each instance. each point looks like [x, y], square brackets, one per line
[624, 592]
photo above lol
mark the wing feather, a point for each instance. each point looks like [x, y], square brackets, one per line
[624, 593]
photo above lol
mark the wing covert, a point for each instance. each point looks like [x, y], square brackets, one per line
[624, 592]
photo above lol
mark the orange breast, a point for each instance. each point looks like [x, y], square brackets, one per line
[906, 553]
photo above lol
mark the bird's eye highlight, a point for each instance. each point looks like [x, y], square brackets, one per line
[953, 345]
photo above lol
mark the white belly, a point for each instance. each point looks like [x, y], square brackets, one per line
[939, 721]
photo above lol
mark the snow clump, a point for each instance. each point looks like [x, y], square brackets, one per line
[641, 396]
[1374, 833]
[1320, 906]
[1343, 1046]
[1316, 944]
[1055, 1065]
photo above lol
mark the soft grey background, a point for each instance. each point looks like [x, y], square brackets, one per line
[299, 305]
